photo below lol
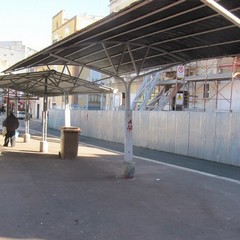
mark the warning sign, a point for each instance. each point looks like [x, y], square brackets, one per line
[179, 99]
[180, 71]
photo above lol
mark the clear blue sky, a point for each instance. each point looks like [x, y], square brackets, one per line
[30, 21]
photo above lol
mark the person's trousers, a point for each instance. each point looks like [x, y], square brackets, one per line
[9, 136]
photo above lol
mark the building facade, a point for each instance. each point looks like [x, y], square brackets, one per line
[61, 28]
[12, 52]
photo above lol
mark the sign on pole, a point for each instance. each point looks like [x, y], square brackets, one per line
[179, 99]
[180, 71]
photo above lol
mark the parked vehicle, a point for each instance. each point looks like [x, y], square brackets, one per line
[21, 114]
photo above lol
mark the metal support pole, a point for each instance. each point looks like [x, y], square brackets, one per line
[67, 112]
[45, 119]
[27, 118]
[231, 92]
[128, 164]
[44, 143]
[16, 104]
[8, 103]
[216, 107]
[101, 102]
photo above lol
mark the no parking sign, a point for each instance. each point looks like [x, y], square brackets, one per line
[180, 71]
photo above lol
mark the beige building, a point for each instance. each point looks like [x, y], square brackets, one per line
[61, 28]
[117, 101]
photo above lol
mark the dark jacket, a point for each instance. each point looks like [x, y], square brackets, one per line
[11, 123]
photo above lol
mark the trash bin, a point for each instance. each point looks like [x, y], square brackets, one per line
[69, 142]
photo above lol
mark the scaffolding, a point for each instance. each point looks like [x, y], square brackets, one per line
[208, 85]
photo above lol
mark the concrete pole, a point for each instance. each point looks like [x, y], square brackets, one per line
[128, 163]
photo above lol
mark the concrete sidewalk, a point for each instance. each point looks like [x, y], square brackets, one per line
[44, 197]
[190, 163]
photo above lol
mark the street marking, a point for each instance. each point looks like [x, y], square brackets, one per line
[189, 170]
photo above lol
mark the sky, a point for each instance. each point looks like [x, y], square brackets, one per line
[30, 21]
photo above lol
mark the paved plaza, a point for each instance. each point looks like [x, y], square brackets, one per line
[47, 198]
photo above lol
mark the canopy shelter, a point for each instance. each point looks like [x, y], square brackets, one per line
[148, 36]
[48, 83]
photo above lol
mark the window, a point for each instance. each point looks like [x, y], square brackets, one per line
[67, 31]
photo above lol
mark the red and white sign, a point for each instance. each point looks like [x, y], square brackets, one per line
[180, 71]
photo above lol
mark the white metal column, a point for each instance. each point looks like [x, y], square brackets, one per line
[44, 143]
[128, 163]
[67, 112]
[27, 119]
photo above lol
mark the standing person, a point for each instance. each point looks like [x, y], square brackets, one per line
[11, 123]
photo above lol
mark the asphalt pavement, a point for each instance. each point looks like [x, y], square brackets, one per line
[190, 163]
[44, 197]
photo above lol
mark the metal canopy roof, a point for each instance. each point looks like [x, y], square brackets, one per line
[148, 34]
[50, 83]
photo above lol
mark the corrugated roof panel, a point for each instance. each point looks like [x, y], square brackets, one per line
[171, 31]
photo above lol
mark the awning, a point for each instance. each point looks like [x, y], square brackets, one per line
[148, 34]
[50, 83]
